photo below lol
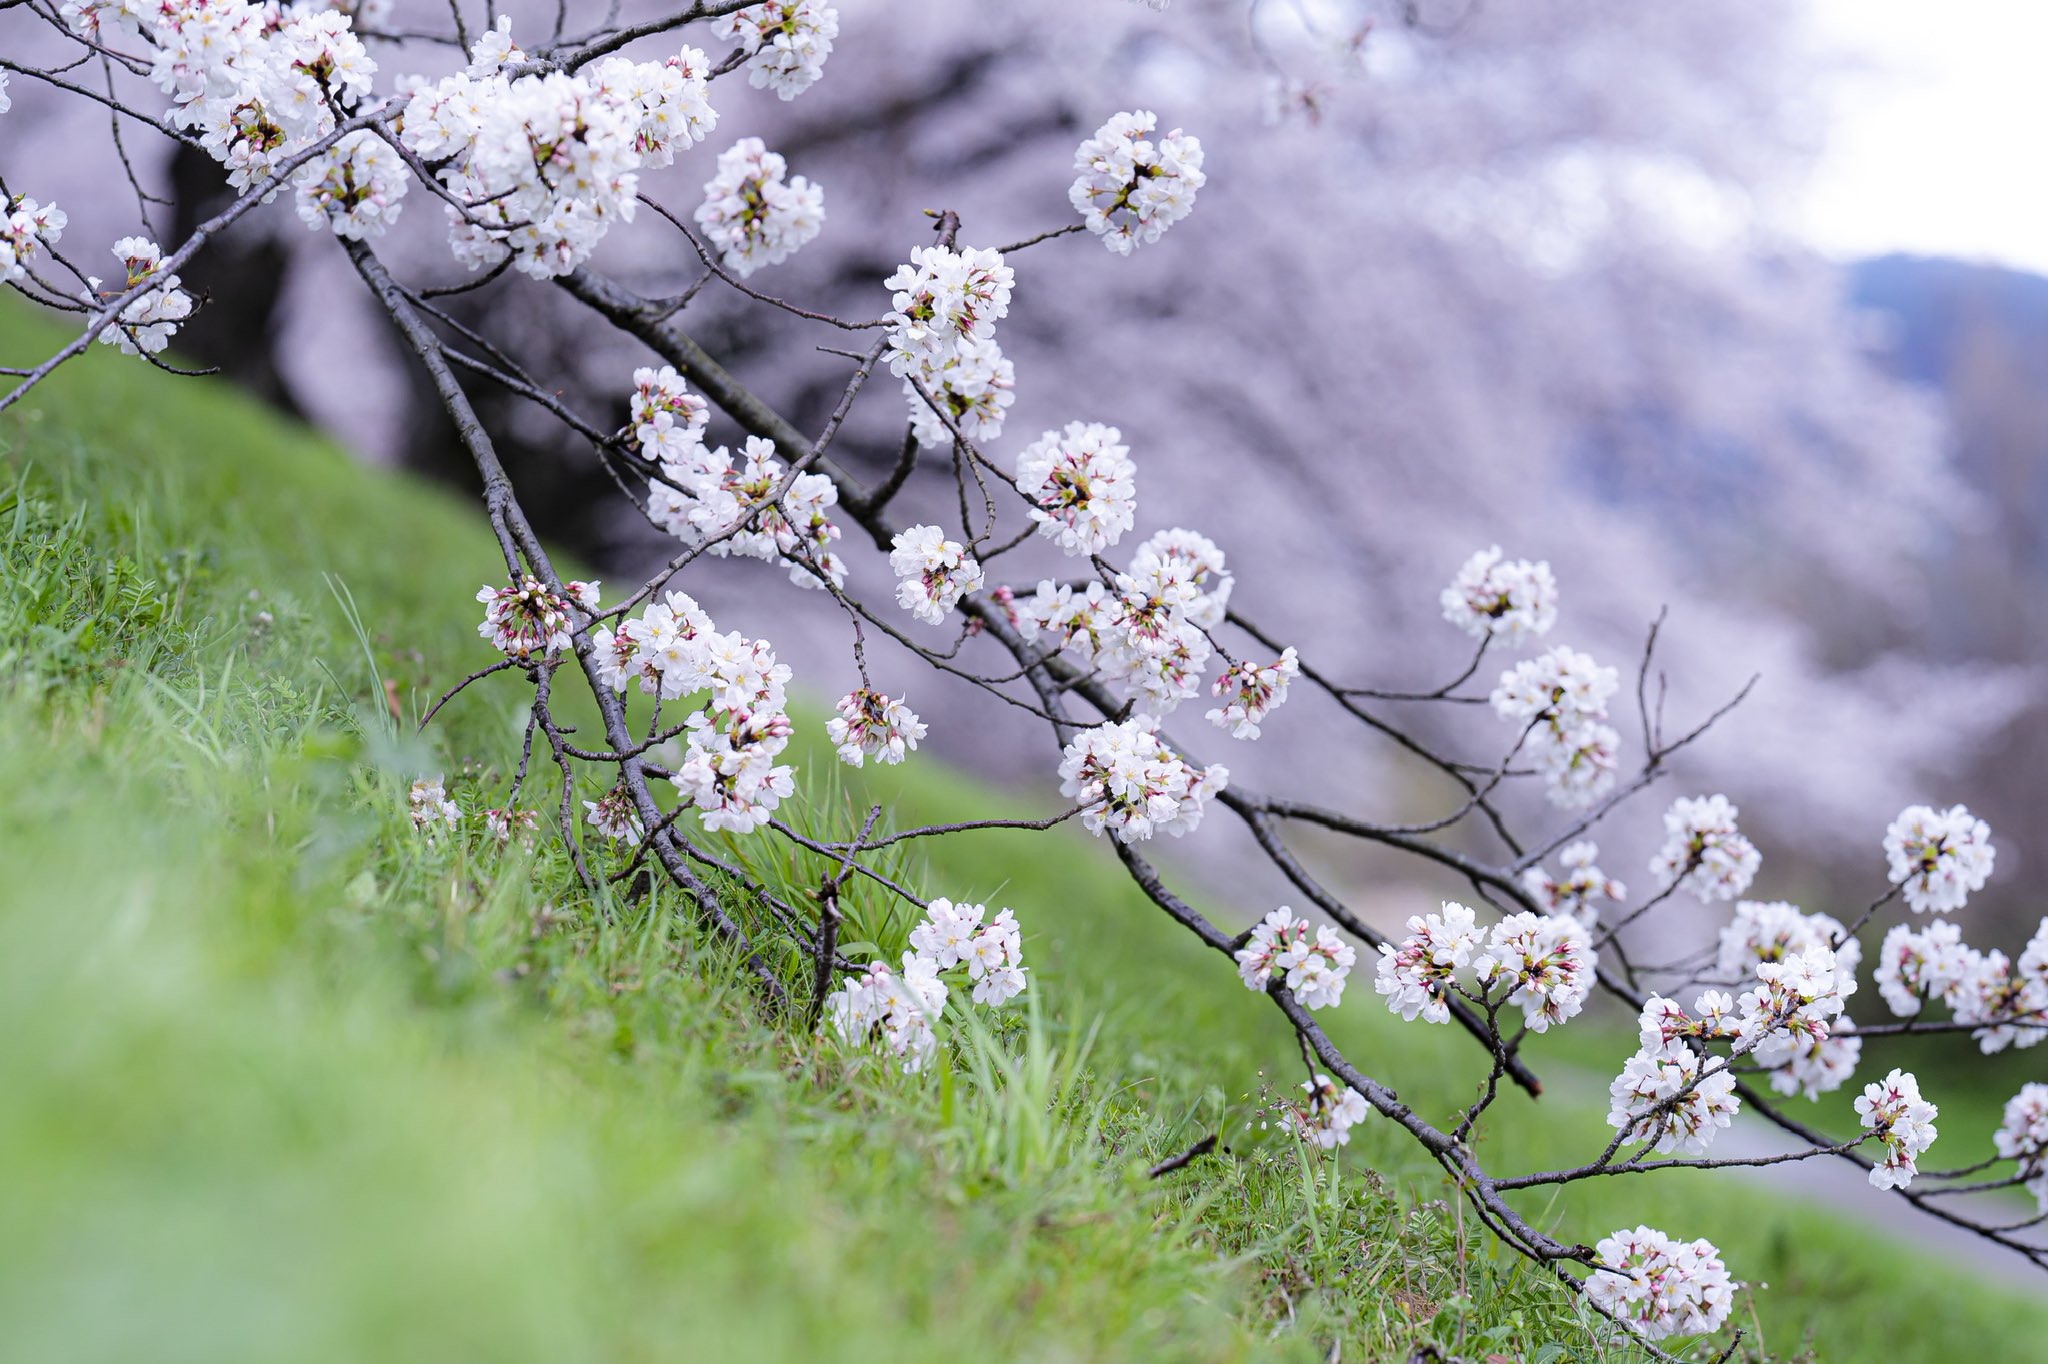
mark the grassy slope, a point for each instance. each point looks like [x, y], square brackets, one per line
[293, 1084]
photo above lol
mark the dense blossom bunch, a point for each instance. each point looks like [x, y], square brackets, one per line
[871, 723]
[892, 1009]
[943, 298]
[1148, 637]
[741, 506]
[1329, 1113]
[527, 618]
[2011, 999]
[668, 419]
[786, 42]
[1704, 851]
[1513, 599]
[897, 1009]
[356, 187]
[1417, 976]
[255, 82]
[1071, 620]
[5, 102]
[1546, 961]
[1129, 783]
[1893, 1111]
[1771, 930]
[992, 952]
[752, 215]
[933, 573]
[1250, 692]
[1562, 697]
[1659, 1287]
[612, 814]
[2023, 1136]
[1582, 884]
[674, 649]
[1819, 1065]
[147, 324]
[1132, 187]
[26, 229]
[543, 164]
[1915, 965]
[1081, 485]
[750, 507]
[1672, 1098]
[1792, 1005]
[1311, 958]
[430, 808]
[1938, 856]
[971, 387]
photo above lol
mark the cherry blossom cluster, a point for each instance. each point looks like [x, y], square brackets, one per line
[1250, 692]
[897, 1009]
[1792, 1022]
[1149, 636]
[892, 1009]
[1673, 1098]
[933, 573]
[752, 214]
[674, 649]
[1893, 1111]
[26, 230]
[1544, 961]
[147, 324]
[257, 83]
[1542, 964]
[871, 724]
[1312, 959]
[668, 419]
[527, 618]
[1131, 186]
[992, 952]
[1561, 695]
[614, 817]
[1329, 1113]
[943, 309]
[1772, 930]
[942, 298]
[786, 42]
[2023, 1136]
[1081, 485]
[750, 507]
[542, 164]
[1938, 857]
[1582, 884]
[1133, 786]
[1659, 1287]
[430, 808]
[2009, 999]
[355, 187]
[1417, 976]
[1703, 850]
[1511, 599]
[1918, 964]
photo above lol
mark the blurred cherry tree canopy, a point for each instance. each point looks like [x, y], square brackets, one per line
[1465, 272]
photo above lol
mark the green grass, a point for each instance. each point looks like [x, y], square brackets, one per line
[285, 1081]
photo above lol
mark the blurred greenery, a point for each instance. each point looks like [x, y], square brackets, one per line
[285, 1080]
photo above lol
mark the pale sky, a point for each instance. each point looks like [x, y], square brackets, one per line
[1942, 146]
